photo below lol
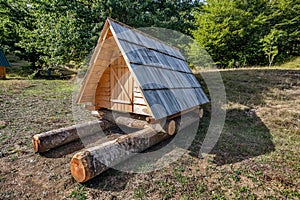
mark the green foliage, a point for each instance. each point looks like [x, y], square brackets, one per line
[239, 33]
[270, 44]
[51, 33]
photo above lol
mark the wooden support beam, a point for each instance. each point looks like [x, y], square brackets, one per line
[124, 119]
[91, 162]
[55, 138]
[138, 121]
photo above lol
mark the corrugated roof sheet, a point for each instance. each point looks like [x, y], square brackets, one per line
[167, 82]
[3, 60]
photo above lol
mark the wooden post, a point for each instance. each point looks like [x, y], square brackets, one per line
[93, 161]
[54, 138]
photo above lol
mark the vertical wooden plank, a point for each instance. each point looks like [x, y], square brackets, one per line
[112, 81]
[121, 95]
[125, 85]
[117, 96]
[132, 90]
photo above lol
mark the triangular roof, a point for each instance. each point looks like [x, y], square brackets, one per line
[166, 81]
[3, 60]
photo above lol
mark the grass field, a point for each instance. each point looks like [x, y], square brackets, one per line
[256, 157]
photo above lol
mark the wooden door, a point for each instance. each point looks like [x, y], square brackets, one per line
[121, 83]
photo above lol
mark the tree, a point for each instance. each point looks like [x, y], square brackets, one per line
[270, 44]
[232, 31]
[50, 33]
[285, 19]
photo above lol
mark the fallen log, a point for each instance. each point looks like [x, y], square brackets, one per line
[91, 162]
[55, 138]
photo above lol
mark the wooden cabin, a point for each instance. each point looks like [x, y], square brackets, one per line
[3, 64]
[135, 73]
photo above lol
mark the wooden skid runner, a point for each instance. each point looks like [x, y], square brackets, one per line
[106, 153]
[55, 138]
[93, 161]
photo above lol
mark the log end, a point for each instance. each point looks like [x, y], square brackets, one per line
[172, 127]
[78, 169]
[201, 113]
[36, 144]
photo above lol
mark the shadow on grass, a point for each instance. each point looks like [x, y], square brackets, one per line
[110, 180]
[244, 136]
[63, 150]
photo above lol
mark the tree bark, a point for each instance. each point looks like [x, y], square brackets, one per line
[54, 138]
[91, 162]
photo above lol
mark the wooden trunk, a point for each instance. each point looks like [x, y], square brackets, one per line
[54, 138]
[93, 161]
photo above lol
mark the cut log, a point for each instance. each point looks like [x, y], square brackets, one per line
[172, 127]
[201, 113]
[51, 139]
[138, 121]
[169, 126]
[91, 162]
[126, 121]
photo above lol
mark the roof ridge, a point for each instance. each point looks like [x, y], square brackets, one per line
[143, 33]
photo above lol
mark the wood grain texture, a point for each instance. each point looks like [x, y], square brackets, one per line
[91, 162]
[55, 138]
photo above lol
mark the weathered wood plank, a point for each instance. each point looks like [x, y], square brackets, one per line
[141, 109]
[104, 104]
[139, 101]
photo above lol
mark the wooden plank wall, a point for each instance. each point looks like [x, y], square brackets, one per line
[103, 92]
[117, 90]
[139, 103]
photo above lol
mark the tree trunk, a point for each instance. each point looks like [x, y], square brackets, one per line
[54, 138]
[93, 161]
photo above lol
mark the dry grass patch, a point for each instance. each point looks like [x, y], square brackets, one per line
[257, 156]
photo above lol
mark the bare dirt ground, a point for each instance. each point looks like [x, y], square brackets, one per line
[256, 157]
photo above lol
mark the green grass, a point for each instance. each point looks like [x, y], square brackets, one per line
[79, 193]
[293, 64]
[256, 157]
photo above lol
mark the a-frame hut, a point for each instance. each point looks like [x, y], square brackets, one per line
[136, 73]
[3, 64]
